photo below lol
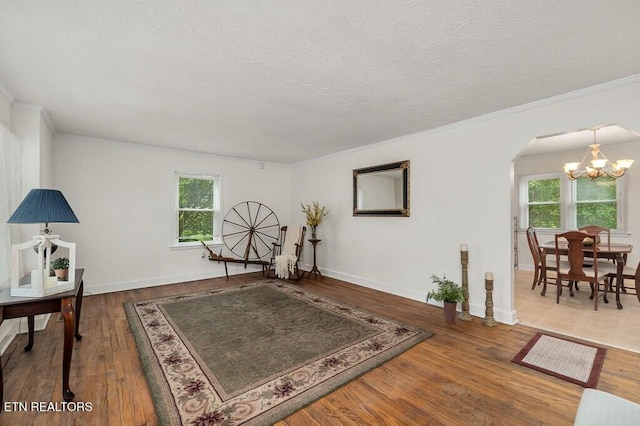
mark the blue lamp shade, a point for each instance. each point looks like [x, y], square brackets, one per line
[44, 206]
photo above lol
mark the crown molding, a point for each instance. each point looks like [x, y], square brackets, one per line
[42, 110]
[47, 119]
[4, 90]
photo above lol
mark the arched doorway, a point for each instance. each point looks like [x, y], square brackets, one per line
[544, 159]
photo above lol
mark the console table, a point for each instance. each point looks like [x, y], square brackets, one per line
[16, 307]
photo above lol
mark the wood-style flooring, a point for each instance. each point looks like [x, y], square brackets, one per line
[462, 375]
[575, 316]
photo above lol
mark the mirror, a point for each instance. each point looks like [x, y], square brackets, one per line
[381, 190]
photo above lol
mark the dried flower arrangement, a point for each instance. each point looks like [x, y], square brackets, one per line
[315, 213]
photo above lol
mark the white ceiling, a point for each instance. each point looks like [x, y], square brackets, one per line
[289, 80]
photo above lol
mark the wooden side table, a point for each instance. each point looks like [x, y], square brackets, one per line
[16, 307]
[315, 271]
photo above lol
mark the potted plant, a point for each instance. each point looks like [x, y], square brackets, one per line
[61, 267]
[448, 292]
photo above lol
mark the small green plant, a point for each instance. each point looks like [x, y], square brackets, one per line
[60, 263]
[448, 291]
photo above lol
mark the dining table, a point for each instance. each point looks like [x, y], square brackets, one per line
[617, 252]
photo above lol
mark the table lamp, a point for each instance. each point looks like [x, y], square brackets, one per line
[42, 206]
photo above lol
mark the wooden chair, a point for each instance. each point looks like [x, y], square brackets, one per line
[599, 233]
[287, 244]
[629, 273]
[540, 262]
[576, 270]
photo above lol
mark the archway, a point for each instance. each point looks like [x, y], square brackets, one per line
[545, 156]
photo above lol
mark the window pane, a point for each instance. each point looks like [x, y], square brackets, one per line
[196, 193]
[544, 215]
[602, 214]
[195, 226]
[544, 190]
[603, 188]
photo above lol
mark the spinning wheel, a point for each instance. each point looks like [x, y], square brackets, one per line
[249, 230]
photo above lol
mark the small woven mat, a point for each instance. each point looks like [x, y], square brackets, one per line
[571, 361]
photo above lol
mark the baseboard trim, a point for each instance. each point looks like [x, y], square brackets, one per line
[474, 309]
[505, 317]
[159, 281]
[8, 332]
[11, 328]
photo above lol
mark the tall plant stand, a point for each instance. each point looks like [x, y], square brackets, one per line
[315, 271]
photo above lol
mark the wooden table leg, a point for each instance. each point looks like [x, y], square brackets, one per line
[31, 326]
[619, 272]
[68, 315]
[79, 309]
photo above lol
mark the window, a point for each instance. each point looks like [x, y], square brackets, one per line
[198, 208]
[543, 200]
[555, 202]
[596, 203]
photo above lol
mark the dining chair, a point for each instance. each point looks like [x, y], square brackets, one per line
[599, 232]
[629, 273]
[576, 270]
[540, 262]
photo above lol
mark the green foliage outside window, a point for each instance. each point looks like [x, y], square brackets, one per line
[195, 209]
[544, 203]
[597, 202]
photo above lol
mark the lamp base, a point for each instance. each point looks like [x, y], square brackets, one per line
[32, 286]
[38, 283]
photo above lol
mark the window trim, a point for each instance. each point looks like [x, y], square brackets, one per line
[568, 202]
[217, 209]
[523, 194]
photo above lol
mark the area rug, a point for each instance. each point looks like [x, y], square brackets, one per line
[253, 354]
[571, 361]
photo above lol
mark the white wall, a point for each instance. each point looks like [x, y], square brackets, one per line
[5, 107]
[552, 163]
[8, 328]
[124, 197]
[37, 167]
[47, 171]
[36, 170]
[37, 139]
[461, 186]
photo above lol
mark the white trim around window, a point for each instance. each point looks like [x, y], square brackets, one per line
[568, 202]
[216, 209]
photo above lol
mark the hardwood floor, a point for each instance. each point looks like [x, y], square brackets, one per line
[462, 375]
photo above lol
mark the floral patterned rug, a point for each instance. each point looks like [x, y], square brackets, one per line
[254, 354]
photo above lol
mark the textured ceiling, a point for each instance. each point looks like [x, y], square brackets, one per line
[288, 80]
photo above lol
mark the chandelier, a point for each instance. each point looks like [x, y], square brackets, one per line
[598, 166]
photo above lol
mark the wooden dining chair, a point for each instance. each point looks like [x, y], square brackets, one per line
[576, 270]
[631, 274]
[599, 232]
[540, 262]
